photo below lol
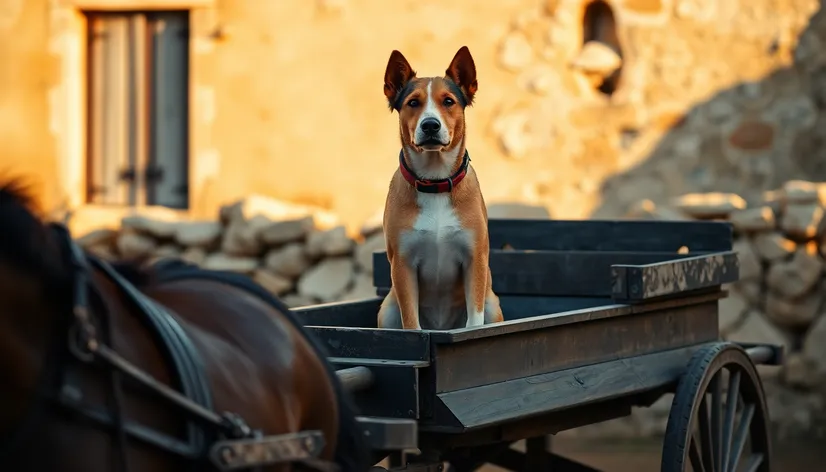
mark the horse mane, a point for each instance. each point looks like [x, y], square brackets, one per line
[26, 243]
[16, 191]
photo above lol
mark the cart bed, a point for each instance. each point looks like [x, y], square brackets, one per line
[464, 379]
[591, 320]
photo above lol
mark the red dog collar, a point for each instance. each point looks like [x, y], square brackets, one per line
[433, 186]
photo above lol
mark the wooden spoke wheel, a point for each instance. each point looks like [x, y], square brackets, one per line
[718, 420]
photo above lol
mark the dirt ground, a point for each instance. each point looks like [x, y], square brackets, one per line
[644, 455]
[639, 456]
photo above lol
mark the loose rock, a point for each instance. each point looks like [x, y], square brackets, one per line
[773, 247]
[274, 210]
[282, 232]
[751, 291]
[802, 221]
[151, 226]
[362, 288]
[132, 245]
[333, 242]
[797, 276]
[753, 219]
[750, 266]
[373, 224]
[364, 252]
[803, 192]
[198, 233]
[776, 200]
[814, 345]
[757, 329]
[220, 261]
[194, 255]
[732, 309]
[709, 205]
[646, 209]
[793, 312]
[328, 280]
[289, 261]
[242, 237]
[273, 282]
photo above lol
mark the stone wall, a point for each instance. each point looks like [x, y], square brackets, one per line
[300, 253]
[746, 138]
[780, 299]
[781, 243]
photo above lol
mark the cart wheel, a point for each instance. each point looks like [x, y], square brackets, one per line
[718, 419]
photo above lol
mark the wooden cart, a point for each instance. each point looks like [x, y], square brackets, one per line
[601, 316]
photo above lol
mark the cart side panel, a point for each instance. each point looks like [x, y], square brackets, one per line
[352, 314]
[548, 273]
[578, 387]
[634, 283]
[515, 307]
[388, 344]
[364, 313]
[610, 235]
[464, 362]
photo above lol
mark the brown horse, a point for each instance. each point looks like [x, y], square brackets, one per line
[99, 375]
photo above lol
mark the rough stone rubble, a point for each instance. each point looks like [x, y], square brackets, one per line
[780, 299]
[304, 256]
[300, 254]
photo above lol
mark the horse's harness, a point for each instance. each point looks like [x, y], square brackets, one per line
[223, 440]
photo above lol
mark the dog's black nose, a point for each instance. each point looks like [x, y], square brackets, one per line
[431, 125]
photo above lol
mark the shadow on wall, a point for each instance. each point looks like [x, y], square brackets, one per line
[746, 139]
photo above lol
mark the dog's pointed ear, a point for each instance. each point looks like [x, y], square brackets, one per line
[462, 70]
[396, 76]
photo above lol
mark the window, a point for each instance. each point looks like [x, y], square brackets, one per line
[138, 107]
[599, 24]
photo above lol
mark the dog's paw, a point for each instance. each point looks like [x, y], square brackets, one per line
[475, 319]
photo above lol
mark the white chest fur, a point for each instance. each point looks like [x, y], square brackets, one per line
[437, 248]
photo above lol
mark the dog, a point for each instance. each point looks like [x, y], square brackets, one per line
[435, 219]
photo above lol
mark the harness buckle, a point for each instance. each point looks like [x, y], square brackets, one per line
[80, 344]
[236, 426]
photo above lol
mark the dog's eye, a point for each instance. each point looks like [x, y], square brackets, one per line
[413, 103]
[448, 102]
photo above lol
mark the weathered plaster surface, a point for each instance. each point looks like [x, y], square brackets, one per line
[286, 99]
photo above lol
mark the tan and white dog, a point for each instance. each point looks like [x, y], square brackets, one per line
[435, 219]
